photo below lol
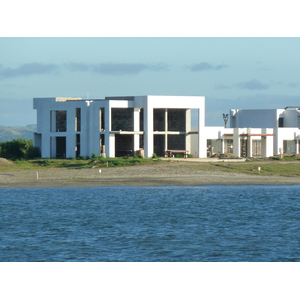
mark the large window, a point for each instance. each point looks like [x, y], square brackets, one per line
[78, 119]
[122, 119]
[58, 120]
[228, 146]
[213, 147]
[289, 147]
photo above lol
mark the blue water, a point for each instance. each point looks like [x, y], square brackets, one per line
[208, 223]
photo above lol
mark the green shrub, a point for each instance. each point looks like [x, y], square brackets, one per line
[19, 149]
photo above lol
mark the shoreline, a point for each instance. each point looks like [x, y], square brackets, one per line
[144, 175]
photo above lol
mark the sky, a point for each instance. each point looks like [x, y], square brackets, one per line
[231, 72]
[234, 58]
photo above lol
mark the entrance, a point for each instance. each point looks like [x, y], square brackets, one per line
[159, 145]
[60, 147]
[256, 148]
[124, 145]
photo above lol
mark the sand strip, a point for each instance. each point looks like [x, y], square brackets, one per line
[149, 175]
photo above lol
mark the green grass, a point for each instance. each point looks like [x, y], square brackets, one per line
[267, 168]
[38, 164]
[285, 167]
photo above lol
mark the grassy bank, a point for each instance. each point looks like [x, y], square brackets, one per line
[268, 167]
[99, 162]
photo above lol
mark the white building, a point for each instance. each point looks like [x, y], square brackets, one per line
[277, 130]
[119, 126]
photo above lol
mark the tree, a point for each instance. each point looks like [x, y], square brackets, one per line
[18, 149]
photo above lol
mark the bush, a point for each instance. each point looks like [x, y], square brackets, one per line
[19, 149]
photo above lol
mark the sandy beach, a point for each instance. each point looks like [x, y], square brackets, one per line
[148, 175]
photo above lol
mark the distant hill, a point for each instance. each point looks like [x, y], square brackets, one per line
[15, 132]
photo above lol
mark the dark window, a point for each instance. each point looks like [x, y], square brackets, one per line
[122, 119]
[280, 122]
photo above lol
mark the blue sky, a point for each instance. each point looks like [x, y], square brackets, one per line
[229, 72]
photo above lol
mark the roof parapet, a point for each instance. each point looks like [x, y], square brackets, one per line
[64, 99]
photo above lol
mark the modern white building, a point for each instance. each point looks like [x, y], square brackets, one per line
[119, 126]
[276, 130]
[164, 125]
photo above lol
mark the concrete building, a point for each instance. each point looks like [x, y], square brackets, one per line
[257, 133]
[164, 125]
[120, 126]
[275, 131]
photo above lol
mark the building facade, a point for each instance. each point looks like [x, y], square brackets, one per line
[119, 126]
[164, 125]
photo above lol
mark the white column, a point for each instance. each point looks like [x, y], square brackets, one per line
[136, 127]
[188, 137]
[70, 134]
[52, 147]
[107, 124]
[46, 145]
[52, 120]
[148, 126]
[202, 140]
[166, 130]
[94, 129]
[236, 142]
[297, 146]
[112, 143]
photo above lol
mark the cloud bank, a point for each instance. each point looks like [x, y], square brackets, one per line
[204, 66]
[114, 68]
[27, 70]
[30, 69]
[253, 84]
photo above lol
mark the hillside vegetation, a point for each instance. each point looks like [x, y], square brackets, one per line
[14, 132]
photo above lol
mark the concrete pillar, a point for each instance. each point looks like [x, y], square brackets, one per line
[166, 130]
[70, 145]
[148, 127]
[296, 146]
[112, 145]
[91, 123]
[236, 142]
[277, 142]
[46, 150]
[201, 134]
[70, 134]
[52, 121]
[52, 147]
[136, 127]
[222, 145]
[188, 143]
[110, 149]
[264, 146]
[94, 132]
[249, 143]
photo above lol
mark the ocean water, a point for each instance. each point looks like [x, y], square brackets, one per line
[160, 224]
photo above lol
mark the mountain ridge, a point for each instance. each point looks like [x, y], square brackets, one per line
[8, 133]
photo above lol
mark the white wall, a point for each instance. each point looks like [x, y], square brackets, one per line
[90, 133]
[254, 118]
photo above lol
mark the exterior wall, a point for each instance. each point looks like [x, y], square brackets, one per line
[291, 118]
[46, 137]
[254, 118]
[287, 134]
[260, 126]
